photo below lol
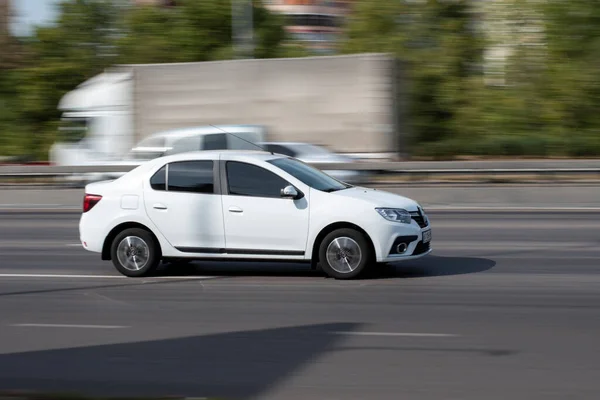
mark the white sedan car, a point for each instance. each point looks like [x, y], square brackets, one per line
[247, 205]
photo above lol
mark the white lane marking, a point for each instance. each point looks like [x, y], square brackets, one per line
[74, 245]
[99, 276]
[70, 326]
[392, 334]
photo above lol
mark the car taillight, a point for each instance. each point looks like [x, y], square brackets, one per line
[89, 201]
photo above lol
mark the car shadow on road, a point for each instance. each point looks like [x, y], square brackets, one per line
[432, 266]
[429, 266]
[238, 269]
[234, 365]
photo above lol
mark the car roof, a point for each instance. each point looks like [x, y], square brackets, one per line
[218, 154]
[202, 129]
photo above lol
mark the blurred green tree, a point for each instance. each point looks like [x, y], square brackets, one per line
[571, 86]
[59, 57]
[193, 31]
[438, 44]
[10, 60]
[508, 77]
[91, 35]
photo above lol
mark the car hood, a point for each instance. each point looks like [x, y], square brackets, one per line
[378, 198]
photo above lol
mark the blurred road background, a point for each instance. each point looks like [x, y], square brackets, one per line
[484, 112]
[94, 80]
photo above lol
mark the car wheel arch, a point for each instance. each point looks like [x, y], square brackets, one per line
[120, 228]
[332, 227]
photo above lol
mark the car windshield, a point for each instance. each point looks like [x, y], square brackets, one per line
[308, 175]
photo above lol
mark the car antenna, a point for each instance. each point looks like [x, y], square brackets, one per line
[247, 141]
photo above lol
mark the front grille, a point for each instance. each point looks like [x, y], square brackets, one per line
[421, 248]
[418, 218]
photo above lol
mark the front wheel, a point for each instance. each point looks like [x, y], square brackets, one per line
[134, 253]
[345, 254]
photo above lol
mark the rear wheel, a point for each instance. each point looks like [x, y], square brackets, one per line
[134, 252]
[345, 254]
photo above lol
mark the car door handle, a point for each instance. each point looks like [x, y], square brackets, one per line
[235, 209]
[160, 206]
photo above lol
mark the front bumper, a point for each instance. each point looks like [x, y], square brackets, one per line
[399, 242]
[416, 250]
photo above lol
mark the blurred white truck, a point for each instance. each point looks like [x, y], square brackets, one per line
[350, 104]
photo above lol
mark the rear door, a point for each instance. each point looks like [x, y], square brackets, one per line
[183, 201]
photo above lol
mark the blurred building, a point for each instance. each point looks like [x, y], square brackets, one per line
[314, 23]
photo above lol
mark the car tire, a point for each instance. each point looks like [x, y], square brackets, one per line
[145, 257]
[345, 254]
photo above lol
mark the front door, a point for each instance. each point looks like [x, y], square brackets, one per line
[258, 220]
[183, 203]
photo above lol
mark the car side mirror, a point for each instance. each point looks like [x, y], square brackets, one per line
[290, 192]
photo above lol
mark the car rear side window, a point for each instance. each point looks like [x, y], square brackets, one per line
[191, 176]
[251, 180]
[159, 179]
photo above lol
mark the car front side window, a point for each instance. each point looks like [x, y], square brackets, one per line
[251, 180]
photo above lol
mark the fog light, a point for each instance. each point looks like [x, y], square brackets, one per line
[401, 248]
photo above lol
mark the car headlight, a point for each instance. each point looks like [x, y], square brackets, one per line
[395, 215]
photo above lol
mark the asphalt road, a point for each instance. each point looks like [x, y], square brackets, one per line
[506, 308]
